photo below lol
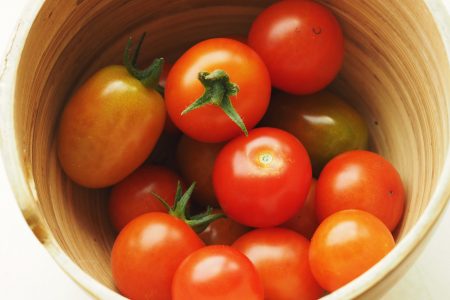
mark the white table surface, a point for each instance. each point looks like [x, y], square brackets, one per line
[27, 271]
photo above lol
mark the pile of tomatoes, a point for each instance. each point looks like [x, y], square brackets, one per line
[251, 127]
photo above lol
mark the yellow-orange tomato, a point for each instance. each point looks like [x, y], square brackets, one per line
[108, 128]
[347, 244]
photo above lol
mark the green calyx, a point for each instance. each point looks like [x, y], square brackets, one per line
[197, 222]
[150, 76]
[218, 90]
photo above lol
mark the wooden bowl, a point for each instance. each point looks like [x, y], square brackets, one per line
[396, 73]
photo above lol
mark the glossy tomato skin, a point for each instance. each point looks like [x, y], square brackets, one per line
[244, 67]
[301, 43]
[347, 244]
[217, 272]
[147, 253]
[133, 197]
[223, 231]
[196, 163]
[324, 123]
[305, 221]
[108, 128]
[361, 180]
[281, 258]
[262, 180]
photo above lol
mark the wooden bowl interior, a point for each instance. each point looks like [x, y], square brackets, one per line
[391, 75]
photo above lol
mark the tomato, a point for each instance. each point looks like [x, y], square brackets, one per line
[361, 180]
[133, 196]
[347, 244]
[262, 180]
[109, 126]
[216, 272]
[301, 43]
[147, 253]
[231, 82]
[305, 221]
[223, 231]
[323, 122]
[196, 162]
[281, 258]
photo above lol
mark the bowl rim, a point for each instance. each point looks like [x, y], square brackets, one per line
[25, 195]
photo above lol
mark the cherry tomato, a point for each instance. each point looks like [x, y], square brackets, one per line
[361, 180]
[262, 180]
[109, 126]
[147, 253]
[281, 258]
[223, 231]
[216, 272]
[196, 162]
[243, 89]
[301, 43]
[347, 244]
[323, 122]
[133, 196]
[305, 221]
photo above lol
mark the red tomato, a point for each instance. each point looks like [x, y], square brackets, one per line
[305, 221]
[147, 253]
[262, 180]
[361, 180]
[301, 43]
[345, 245]
[223, 231]
[133, 197]
[281, 258]
[196, 163]
[244, 68]
[219, 273]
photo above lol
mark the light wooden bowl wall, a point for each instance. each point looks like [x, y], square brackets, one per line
[396, 73]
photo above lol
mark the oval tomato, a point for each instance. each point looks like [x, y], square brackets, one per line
[245, 86]
[133, 196]
[216, 272]
[347, 244]
[110, 125]
[262, 180]
[305, 221]
[361, 180]
[223, 231]
[196, 163]
[281, 258]
[301, 43]
[323, 122]
[148, 251]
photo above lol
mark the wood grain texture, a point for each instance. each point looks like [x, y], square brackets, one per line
[396, 73]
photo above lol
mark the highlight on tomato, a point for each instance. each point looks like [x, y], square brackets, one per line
[263, 179]
[111, 123]
[217, 272]
[217, 90]
[347, 244]
[361, 180]
[301, 43]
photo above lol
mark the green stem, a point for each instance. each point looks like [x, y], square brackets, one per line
[198, 222]
[218, 90]
[149, 76]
